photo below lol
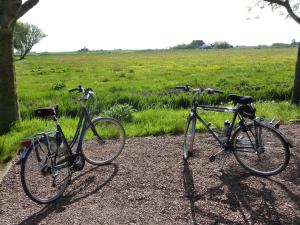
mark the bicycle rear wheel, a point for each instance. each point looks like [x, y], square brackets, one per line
[103, 141]
[189, 137]
[42, 181]
[260, 149]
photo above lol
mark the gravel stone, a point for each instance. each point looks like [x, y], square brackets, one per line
[150, 184]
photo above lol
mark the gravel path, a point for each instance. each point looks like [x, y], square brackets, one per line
[150, 184]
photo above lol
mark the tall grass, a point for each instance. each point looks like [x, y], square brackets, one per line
[155, 121]
[143, 78]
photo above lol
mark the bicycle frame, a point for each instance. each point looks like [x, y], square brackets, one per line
[195, 114]
[83, 122]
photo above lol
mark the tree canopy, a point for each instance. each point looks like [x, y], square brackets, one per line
[289, 8]
[25, 37]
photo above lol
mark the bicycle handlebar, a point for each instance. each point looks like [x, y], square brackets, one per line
[185, 88]
[86, 93]
[78, 89]
[188, 88]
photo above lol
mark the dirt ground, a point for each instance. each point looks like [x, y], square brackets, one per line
[150, 184]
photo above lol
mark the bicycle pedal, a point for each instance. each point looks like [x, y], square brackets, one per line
[212, 158]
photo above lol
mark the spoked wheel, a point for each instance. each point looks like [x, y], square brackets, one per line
[42, 181]
[103, 141]
[189, 137]
[260, 149]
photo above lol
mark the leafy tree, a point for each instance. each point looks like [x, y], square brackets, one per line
[10, 12]
[25, 37]
[222, 45]
[291, 8]
[193, 45]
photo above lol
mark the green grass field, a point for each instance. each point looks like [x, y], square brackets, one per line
[143, 80]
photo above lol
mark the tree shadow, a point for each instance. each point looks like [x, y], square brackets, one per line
[254, 205]
[293, 168]
[79, 190]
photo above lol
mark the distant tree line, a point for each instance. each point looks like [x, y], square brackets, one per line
[200, 44]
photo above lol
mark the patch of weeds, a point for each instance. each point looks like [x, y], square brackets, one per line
[222, 82]
[122, 75]
[121, 112]
[58, 86]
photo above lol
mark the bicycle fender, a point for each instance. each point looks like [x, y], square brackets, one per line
[286, 140]
[23, 154]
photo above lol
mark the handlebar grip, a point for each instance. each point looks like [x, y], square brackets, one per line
[72, 90]
[219, 92]
[184, 88]
[180, 87]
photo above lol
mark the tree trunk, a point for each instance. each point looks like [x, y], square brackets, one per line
[296, 90]
[24, 54]
[9, 107]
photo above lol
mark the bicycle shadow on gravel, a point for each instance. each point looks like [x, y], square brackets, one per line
[237, 201]
[78, 189]
[293, 168]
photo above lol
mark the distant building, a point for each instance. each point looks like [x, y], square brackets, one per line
[196, 43]
[206, 46]
[84, 49]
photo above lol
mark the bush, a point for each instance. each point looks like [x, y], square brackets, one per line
[195, 44]
[222, 45]
[121, 112]
[281, 45]
[58, 86]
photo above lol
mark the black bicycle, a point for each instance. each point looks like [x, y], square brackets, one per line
[257, 145]
[47, 159]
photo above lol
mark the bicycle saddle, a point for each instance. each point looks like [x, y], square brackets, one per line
[240, 99]
[46, 112]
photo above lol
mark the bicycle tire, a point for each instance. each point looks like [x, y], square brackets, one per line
[105, 146]
[260, 149]
[189, 137]
[41, 181]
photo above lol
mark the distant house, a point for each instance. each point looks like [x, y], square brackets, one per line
[196, 43]
[84, 49]
[206, 46]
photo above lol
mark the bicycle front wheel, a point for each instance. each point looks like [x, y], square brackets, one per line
[260, 149]
[189, 137]
[103, 141]
[42, 181]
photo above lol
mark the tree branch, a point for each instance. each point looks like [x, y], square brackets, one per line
[291, 12]
[286, 4]
[29, 4]
[278, 2]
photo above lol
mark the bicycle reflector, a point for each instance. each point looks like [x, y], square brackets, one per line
[26, 143]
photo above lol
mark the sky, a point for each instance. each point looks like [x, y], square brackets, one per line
[154, 24]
